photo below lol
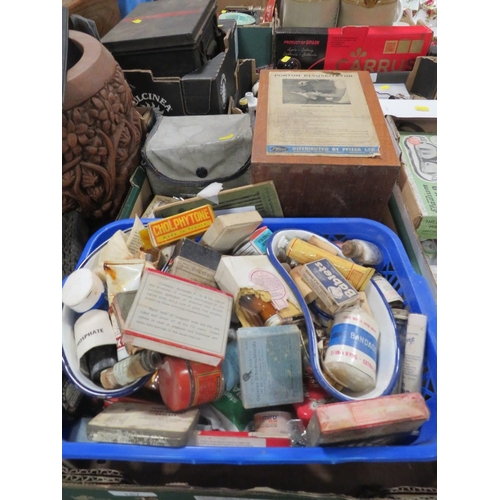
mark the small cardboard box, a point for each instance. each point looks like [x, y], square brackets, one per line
[180, 318]
[204, 91]
[363, 48]
[419, 194]
[418, 181]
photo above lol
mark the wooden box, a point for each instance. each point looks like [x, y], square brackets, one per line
[337, 183]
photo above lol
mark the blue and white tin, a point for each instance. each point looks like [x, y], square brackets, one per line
[351, 356]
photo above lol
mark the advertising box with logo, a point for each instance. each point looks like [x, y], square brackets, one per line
[204, 91]
[362, 48]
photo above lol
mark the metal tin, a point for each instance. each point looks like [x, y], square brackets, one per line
[184, 384]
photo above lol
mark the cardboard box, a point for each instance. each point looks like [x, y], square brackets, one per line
[356, 420]
[254, 41]
[362, 48]
[328, 185]
[411, 115]
[418, 181]
[166, 307]
[419, 194]
[204, 91]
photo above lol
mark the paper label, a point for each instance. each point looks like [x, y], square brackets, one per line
[354, 341]
[93, 329]
[183, 225]
[177, 312]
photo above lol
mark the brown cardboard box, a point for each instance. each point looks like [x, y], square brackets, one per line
[325, 185]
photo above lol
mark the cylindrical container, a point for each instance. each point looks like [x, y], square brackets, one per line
[303, 252]
[320, 314]
[184, 384]
[95, 343]
[83, 290]
[272, 422]
[130, 369]
[310, 13]
[351, 356]
[363, 252]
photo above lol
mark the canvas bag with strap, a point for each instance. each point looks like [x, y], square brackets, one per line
[184, 154]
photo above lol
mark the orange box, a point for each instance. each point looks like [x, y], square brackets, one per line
[184, 225]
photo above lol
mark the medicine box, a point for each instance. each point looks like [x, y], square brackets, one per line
[270, 365]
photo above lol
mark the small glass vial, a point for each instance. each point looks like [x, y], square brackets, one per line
[264, 312]
[131, 369]
[362, 252]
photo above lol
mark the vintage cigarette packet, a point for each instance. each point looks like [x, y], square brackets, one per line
[331, 287]
[143, 423]
[184, 225]
[179, 317]
[365, 419]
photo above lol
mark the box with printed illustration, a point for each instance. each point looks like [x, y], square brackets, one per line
[375, 49]
[418, 181]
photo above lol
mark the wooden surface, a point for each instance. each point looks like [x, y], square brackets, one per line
[105, 13]
[326, 186]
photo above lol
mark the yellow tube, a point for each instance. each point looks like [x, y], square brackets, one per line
[303, 252]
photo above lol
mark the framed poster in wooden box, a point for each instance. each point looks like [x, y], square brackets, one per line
[323, 140]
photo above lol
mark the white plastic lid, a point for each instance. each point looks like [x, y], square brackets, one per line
[273, 320]
[82, 290]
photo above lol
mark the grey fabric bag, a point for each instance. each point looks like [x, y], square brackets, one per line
[183, 154]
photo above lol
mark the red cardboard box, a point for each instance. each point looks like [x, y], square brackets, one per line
[362, 48]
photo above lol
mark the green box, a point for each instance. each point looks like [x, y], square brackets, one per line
[418, 181]
[255, 42]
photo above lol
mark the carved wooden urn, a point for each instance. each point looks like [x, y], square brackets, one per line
[101, 132]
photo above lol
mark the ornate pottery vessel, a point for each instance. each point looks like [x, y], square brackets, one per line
[101, 132]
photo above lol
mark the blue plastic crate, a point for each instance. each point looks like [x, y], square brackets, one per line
[397, 269]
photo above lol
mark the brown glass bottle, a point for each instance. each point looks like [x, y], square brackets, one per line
[264, 311]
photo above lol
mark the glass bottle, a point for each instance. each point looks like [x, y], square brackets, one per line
[95, 343]
[362, 252]
[130, 369]
[264, 312]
